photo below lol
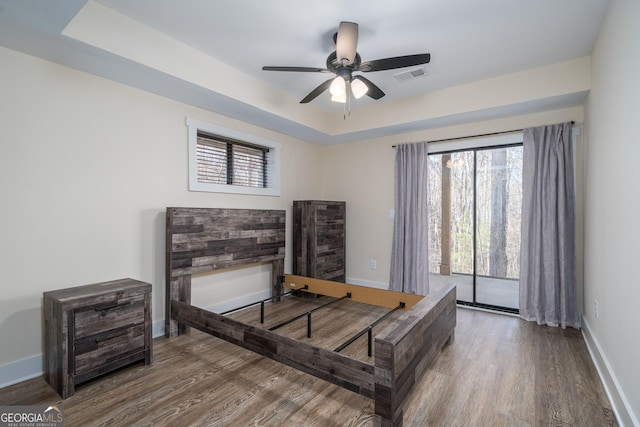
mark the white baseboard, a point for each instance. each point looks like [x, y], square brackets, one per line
[158, 329]
[620, 404]
[21, 370]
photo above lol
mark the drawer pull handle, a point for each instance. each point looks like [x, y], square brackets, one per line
[109, 306]
[122, 333]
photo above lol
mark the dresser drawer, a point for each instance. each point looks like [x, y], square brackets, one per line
[103, 317]
[107, 347]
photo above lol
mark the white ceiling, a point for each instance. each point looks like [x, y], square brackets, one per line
[469, 40]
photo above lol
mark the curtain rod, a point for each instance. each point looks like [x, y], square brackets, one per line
[478, 136]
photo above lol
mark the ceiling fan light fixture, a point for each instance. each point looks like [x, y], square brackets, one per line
[358, 88]
[340, 98]
[338, 87]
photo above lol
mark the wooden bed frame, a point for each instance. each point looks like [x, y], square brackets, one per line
[201, 239]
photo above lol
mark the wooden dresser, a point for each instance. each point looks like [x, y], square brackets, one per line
[91, 330]
[319, 239]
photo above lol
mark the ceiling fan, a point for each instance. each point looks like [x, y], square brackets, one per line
[344, 61]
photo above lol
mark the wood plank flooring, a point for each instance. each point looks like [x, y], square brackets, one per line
[500, 371]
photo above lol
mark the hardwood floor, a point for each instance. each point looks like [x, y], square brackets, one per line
[500, 371]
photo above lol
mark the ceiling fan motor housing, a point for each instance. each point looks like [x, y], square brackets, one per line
[338, 69]
[334, 65]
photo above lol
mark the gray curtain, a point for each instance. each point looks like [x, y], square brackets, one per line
[548, 292]
[409, 258]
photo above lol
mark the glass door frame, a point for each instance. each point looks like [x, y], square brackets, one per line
[475, 150]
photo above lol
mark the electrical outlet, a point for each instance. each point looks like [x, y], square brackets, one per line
[596, 309]
[392, 214]
[372, 264]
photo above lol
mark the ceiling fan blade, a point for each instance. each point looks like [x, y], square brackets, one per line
[347, 42]
[395, 62]
[300, 69]
[317, 91]
[374, 91]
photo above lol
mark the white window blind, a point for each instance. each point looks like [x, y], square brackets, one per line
[249, 166]
[212, 161]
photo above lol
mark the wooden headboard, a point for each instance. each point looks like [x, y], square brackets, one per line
[200, 240]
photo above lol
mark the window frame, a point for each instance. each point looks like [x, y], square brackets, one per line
[273, 168]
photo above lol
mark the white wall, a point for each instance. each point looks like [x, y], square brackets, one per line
[612, 203]
[87, 169]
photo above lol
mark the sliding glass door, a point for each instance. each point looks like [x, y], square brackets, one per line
[475, 199]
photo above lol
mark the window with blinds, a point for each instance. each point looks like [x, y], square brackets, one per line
[226, 163]
[222, 161]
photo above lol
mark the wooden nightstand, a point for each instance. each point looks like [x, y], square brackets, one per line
[91, 330]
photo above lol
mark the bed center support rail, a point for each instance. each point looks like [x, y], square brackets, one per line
[308, 314]
[261, 302]
[368, 330]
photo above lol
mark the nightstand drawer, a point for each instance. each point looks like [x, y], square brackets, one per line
[107, 347]
[100, 318]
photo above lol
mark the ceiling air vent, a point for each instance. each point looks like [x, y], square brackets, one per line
[416, 73]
